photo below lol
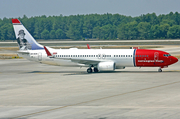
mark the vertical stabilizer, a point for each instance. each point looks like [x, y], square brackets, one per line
[24, 38]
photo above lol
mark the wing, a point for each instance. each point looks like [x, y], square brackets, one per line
[85, 61]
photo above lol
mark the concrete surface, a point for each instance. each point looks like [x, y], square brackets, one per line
[30, 90]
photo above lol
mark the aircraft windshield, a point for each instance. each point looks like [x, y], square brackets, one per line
[166, 55]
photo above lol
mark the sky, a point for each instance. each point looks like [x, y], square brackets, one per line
[31, 8]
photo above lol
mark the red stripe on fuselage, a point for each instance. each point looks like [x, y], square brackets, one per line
[151, 58]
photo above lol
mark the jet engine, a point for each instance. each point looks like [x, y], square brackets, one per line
[106, 66]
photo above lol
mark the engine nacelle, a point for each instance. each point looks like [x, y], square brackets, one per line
[106, 66]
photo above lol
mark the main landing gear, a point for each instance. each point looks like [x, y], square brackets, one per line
[159, 70]
[95, 70]
[89, 70]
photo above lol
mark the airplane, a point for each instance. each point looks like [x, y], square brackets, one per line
[95, 60]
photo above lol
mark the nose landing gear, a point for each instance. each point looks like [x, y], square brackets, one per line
[159, 70]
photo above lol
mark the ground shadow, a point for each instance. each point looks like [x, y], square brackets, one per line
[85, 73]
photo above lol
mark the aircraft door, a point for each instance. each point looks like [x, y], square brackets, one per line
[156, 56]
[40, 56]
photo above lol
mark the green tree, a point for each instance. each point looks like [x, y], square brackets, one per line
[97, 32]
[60, 34]
[100, 26]
[144, 30]
[45, 34]
[74, 31]
[123, 31]
[174, 32]
[88, 28]
[4, 31]
[52, 34]
[164, 29]
[128, 31]
[106, 31]
[155, 32]
[132, 30]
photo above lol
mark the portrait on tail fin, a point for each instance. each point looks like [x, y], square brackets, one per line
[22, 42]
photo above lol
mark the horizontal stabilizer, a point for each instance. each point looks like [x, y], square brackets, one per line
[23, 52]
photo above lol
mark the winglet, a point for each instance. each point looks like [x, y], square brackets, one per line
[88, 46]
[47, 52]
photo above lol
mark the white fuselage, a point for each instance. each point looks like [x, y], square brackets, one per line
[66, 57]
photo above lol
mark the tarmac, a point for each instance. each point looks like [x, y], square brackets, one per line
[30, 90]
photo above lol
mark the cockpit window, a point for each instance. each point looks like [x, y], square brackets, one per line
[166, 55]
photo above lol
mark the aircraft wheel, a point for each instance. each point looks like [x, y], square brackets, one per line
[159, 70]
[95, 70]
[89, 70]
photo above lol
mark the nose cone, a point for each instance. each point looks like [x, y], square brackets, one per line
[174, 60]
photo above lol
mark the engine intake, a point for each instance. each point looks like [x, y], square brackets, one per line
[106, 66]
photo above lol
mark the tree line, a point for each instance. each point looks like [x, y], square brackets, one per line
[97, 26]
